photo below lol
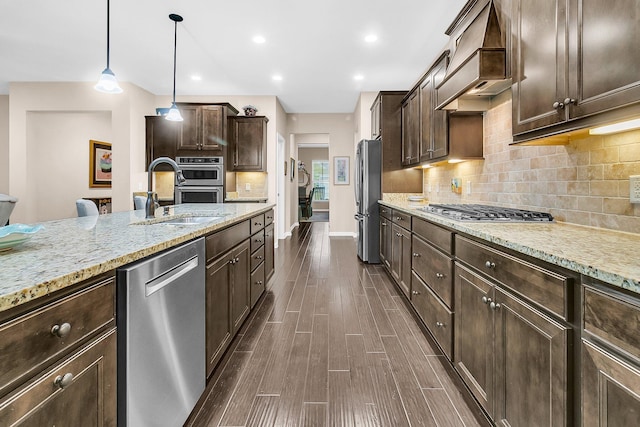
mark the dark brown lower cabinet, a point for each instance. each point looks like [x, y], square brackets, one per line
[401, 257]
[78, 391]
[513, 357]
[610, 389]
[385, 241]
[227, 300]
[269, 260]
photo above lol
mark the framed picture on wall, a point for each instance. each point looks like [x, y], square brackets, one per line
[99, 164]
[341, 171]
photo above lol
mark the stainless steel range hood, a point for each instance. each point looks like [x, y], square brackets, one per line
[477, 70]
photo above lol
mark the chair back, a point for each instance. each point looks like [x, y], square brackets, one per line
[139, 202]
[310, 199]
[86, 208]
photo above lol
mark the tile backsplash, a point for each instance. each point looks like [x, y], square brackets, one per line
[585, 182]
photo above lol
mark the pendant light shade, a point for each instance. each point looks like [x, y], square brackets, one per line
[107, 82]
[174, 114]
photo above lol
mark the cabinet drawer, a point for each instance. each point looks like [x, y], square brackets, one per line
[385, 212]
[221, 241]
[544, 287]
[257, 240]
[89, 399]
[257, 223]
[257, 257]
[30, 343]
[613, 320]
[434, 268]
[257, 284]
[437, 236]
[268, 217]
[401, 218]
[434, 314]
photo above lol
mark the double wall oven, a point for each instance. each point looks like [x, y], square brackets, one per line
[204, 180]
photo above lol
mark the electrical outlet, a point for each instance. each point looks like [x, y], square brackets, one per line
[469, 187]
[634, 188]
[247, 187]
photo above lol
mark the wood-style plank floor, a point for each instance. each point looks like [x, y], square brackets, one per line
[331, 343]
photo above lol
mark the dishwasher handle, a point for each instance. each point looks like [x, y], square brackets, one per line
[169, 276]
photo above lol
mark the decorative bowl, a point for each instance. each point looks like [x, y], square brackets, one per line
[16, 234]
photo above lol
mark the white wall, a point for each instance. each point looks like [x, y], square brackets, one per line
[341, 131]
[4, 144]
[57, 144]
[127, 137]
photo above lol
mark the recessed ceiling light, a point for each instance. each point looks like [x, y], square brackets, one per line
[371, 38]
[196, 78]
[277, 77]
[358, 77]
[259, 39]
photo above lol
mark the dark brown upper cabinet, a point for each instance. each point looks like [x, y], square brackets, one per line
[411, 129]
[574, 63]
[161, 140]
[247, 150]
[204, 129]
[433, 132]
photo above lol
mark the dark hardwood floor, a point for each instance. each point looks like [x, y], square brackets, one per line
[331, 343]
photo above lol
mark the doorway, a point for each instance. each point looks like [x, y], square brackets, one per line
[313, 182]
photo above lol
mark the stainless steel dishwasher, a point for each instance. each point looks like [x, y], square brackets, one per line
[161, 337]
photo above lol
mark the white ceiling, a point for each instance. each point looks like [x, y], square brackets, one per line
[316, 46]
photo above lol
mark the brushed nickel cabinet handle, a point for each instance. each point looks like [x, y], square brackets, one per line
[486, 300]
[439, 275]
[569, 101]
[416, 255]
[439, 324]
[490, 264]
[61, 331]
[558, 105]
[259, 257]
[63, 381]
[415, 293]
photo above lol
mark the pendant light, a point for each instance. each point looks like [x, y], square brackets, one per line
[174, 114]
[107, 82]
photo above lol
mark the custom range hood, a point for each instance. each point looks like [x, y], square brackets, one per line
[477, 70]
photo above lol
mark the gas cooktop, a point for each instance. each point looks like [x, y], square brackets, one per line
[486, 213]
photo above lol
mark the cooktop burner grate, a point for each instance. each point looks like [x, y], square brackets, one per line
[486, 213]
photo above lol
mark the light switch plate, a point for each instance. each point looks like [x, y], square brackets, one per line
[634, 188]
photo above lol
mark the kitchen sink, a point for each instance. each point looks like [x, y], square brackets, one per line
[189, 220]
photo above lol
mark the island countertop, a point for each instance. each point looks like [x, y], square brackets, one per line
[68, 251]
[607, 255]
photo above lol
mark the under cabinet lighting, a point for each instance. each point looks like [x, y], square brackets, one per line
[452, 161]
[616, 127]
[427, 166]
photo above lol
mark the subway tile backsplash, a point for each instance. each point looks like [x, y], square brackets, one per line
[585, 182]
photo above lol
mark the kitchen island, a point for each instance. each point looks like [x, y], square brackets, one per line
[62, 331]
[68, 251]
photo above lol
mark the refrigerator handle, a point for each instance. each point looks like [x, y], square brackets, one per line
[356, 187]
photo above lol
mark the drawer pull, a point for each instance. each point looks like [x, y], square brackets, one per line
[259, 257]
[416, 255]
[399, 234]
[258, 240]
[495, 306]
[384, 224]
[259, 282]
[490, 264]
[440, 275]
[439, 324]
[61, 331]
[415, 293]
[486, 300]
[63, 381]
[257, 223]
[399, 218]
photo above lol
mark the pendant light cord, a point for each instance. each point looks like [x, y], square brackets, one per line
[108, 38]
[175, 44]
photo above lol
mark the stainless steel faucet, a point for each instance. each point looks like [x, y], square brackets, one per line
[150, 207]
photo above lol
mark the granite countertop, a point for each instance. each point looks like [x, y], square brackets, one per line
[69, 251]
[606, 255]
[246, 199]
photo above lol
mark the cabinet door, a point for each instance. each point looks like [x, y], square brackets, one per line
[538, 63]
[473, 337]
[531, 365]
[240, 285]
[439, 118]
[405, 264]
[213, 132]
[269, 260]
[385, 241]
[411, 130]
[248, 143]
[427, 95]
[161, 140]
[397, 254]
[86, 396]
[218, 317]
[190, 130]
[610, 389]
[604, 75]
[376, 111]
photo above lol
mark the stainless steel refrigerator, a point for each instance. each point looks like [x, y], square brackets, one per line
[368, 188]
